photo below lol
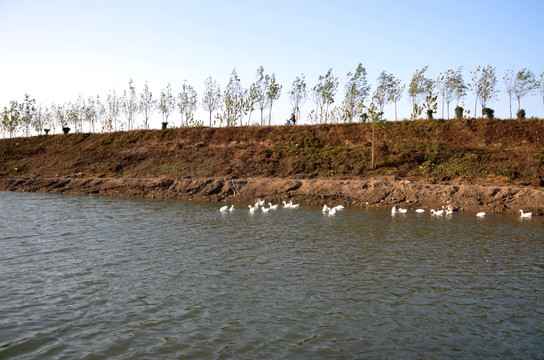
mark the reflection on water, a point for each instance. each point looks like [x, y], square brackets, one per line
[113, 278]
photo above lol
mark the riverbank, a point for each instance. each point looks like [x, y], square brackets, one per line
[351, 193]
[473, 164]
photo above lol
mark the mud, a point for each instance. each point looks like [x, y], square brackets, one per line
[350, 193]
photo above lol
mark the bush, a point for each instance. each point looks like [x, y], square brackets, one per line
[488, 113]
[430, 114]
[459, 112]
[520, 114]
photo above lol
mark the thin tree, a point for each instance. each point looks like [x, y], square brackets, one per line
[395, 91]
[147, 104]
[211, 99]
[324, 92]
[129, 104]
[381, 93]
[524, 84]
[509, 78]
[233, 101]
[272, 94]
[297, 95]
[166, 103]
[187, 104]
[28, 112]
[252, 100]
[541, 87]
[11, 116]
[90, 112]
[113, 108]
[356, 91]
[484, 85]
[419, 88]
[260, 88]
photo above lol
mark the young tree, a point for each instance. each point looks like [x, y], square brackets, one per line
[357, 90]
[166, 103]
[129, 104]
[38, 120]
[484, 85]
[524, 84]
[509, 78]
[61, 115]
[541, 86]
[419, 88]
[11, 116]
[28, 112]
[187, 104]
[260, 88]
[395, 91]
[252, 100]
[147, 104]
[211, 100]
[272, 94]
[233, 101]
[451, 86]
[380, 96]
[89, 112]
[297, 95]
[72, 114]
[324, 92]
[112, 102]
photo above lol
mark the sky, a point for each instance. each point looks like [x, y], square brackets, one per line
[57, 50]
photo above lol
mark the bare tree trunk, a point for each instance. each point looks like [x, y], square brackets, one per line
[372, 155]
[396, 111]
[510, 101]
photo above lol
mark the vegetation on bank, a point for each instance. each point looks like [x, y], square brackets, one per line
[468, 150]
[235, 105]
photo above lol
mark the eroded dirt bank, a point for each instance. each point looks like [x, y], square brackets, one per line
[352, 193]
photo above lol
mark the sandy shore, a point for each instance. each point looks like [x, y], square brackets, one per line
[351, 193]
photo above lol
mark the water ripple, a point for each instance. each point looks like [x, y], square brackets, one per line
[86, 277]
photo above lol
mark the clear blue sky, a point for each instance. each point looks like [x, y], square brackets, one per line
[55, 50]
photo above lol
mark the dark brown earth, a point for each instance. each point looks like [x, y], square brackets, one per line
[474, 165]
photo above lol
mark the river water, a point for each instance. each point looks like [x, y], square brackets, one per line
[102, 278]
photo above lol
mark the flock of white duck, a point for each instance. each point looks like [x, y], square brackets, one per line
[331, 211]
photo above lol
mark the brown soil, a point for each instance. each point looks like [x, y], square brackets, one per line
[490, 165]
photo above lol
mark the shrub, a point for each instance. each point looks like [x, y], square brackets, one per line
[488, 113]
[430, 114]
[459, 112]
[520, 114]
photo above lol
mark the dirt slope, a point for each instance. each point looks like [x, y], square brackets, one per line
[416, 162]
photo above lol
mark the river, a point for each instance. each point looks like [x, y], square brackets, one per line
[103, 278]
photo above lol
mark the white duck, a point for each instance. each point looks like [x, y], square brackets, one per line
[525, 215]
[293, 206]
[287, 205]
[252, 208]
[339, 207]
[325, 209]
[273, 207]
[394, 210]
[265, 210]
[419, 211]
[232, 208]
[437, 213]
[402, 211]
[481, 214]
[224, 208]
[331, 211]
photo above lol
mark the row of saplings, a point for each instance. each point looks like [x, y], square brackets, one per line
[487, 112]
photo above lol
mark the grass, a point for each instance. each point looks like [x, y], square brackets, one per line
[511, 150]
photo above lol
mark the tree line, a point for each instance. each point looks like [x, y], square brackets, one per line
[236, 104]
